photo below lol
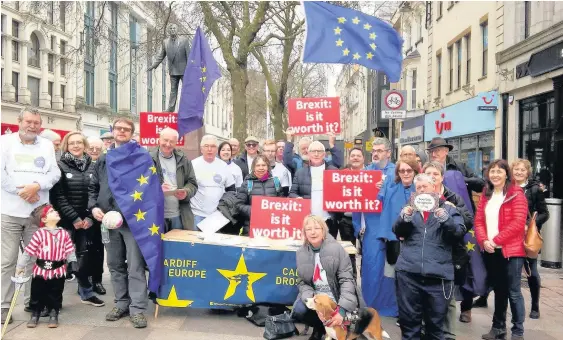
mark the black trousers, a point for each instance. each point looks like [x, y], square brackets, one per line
[346, 229]
[90, 254]
[46, 293]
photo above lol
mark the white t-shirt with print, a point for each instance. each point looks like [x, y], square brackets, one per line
[236, 172]
[317, 173]
[212, 179]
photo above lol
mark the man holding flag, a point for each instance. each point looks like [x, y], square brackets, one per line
[125, 180]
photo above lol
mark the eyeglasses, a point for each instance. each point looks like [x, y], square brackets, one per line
[122, 128]
[316, 151]
[78, 142]
[94, 149]
[207, 146]
[251, 145]
[406, 171]
[309, 229]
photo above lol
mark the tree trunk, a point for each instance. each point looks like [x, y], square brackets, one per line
[239, 81]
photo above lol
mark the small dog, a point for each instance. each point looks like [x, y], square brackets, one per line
[368, 321]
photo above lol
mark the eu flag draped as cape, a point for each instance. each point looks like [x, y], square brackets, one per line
[135, 186]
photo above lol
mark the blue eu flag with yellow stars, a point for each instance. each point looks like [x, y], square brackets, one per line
[200, 74]
[345, 36]
[135, 186]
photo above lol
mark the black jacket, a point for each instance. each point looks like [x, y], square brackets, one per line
[259, 188]
[536, 202]
[99, 193]
[473, 182]
[242, 162]
[228, 207]
[70, 195]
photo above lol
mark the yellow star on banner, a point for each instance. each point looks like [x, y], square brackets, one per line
[173, 301]
[356, 56]
[153, 169]
[472, 232]
[204, 69]
[372, 35]
[470, 246]
[137, 196]
[143, 180]
[154, 229]
[346, 51]
[203, 89]
[140, 215]
[339, 42]
[342, 20]
[337, 30]
[367, 27]
[234, 277]
[356, 20]
[373, 46]
[369, 55]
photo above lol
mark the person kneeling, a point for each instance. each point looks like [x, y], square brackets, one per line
[424, 269]
[53, 248]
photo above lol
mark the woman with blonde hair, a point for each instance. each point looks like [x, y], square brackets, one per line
[323, 267]
[522, 173]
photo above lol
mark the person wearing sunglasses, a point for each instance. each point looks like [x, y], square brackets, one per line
[245, 160]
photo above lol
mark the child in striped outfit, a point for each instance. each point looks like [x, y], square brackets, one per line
[53, 248]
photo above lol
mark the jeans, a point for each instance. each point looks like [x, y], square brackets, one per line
[173, 223]
[308, 316]
[198, 219]
[534, 281]
[504, 276]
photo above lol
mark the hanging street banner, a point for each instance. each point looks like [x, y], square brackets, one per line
[278, 218]
[207, 276]
[151, 123]
[394, 104]
[314, 116]
[351, 190]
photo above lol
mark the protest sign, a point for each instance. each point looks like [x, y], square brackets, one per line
[151, 123]
[311, 116]
[427, 202]
[278, 218]
[351, 190]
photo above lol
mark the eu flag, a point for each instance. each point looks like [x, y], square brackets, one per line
[135, 186]
[345, 36]
[200, 74]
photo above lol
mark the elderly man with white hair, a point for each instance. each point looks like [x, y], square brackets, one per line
[55, 138]
[213, 179]
[294, 161]
[95, 148]
[177, 174]
[308, 183]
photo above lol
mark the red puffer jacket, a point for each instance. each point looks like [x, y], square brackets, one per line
[512, 223]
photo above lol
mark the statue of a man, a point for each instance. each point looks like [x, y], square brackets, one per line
[177, 49]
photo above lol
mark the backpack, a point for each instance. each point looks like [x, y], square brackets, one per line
[277, 184]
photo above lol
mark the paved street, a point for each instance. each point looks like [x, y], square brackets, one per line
[79, 321]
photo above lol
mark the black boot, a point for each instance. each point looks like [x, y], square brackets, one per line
[535, 293]
[318, 333]
[32, 323]
[53, 319]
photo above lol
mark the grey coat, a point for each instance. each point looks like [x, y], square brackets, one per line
[177, 53]
[336, 263]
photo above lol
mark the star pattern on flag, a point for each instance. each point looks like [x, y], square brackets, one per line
[340, 43]
[154, 229]
[153, 169]
[470, 246]
[143, 180]
[472, 232]
[137, 196]
[140, 215]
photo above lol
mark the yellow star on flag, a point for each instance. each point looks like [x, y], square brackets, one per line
[154, 229]
[153, 169]
[356, 56]
[337, 30]
[472, 232]
[356, 20]
[367, 27]
[342, 20]
[143, 180]
[373, 46]
[140, 215]
[234, 277]
[346, 51]
[372, 35]
[470, 246]
[137, 196]
[339, 42]
[203, 89]
[202, 79]
[173, 301]
[204, 69]
[369, 55]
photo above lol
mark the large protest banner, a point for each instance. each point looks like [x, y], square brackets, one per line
[278, 218]
[351, 190]
[151, 123]
[311, 116]
[201, 275]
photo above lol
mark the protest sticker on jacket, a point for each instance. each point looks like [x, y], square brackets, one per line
[278, 218]
[351, 190]
[312, 116]
[151, 123]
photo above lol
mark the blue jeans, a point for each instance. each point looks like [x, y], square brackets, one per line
[173, 223]
[85, 293]
[197, 219]
[305, 315]
[504, 276]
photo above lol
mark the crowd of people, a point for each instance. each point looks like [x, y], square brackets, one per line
[415, 264]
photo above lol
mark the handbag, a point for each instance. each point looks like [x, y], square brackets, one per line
[279, 327]
[533, 241]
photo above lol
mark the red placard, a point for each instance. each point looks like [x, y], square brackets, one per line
[151, 123]
[278, 218]
[351, 190]
[312, 116]
[11, 128]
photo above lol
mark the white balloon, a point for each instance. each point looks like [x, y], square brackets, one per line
[112, 220]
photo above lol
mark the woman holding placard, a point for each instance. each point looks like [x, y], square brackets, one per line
[500, 224]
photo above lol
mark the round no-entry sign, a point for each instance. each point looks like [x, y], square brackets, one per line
[394, 100]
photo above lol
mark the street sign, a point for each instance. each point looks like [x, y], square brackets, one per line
[394, 104]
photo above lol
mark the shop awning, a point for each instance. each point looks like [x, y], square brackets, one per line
[546, 61]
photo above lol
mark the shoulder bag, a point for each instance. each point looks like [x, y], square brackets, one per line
[533, 241]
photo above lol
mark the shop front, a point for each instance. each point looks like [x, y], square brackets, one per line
[412, 133]
[60, 122]
[470, 127]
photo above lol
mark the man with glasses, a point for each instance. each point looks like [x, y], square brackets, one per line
[95, 148]
[381, 159]
[107, 138]
[125, 260]
[213, 179]
[245, 160]
[280, 146]
[29, 171]
[278, 169]
[294, 161]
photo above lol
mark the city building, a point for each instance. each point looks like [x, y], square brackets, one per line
[218, 117]
[530, 72]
